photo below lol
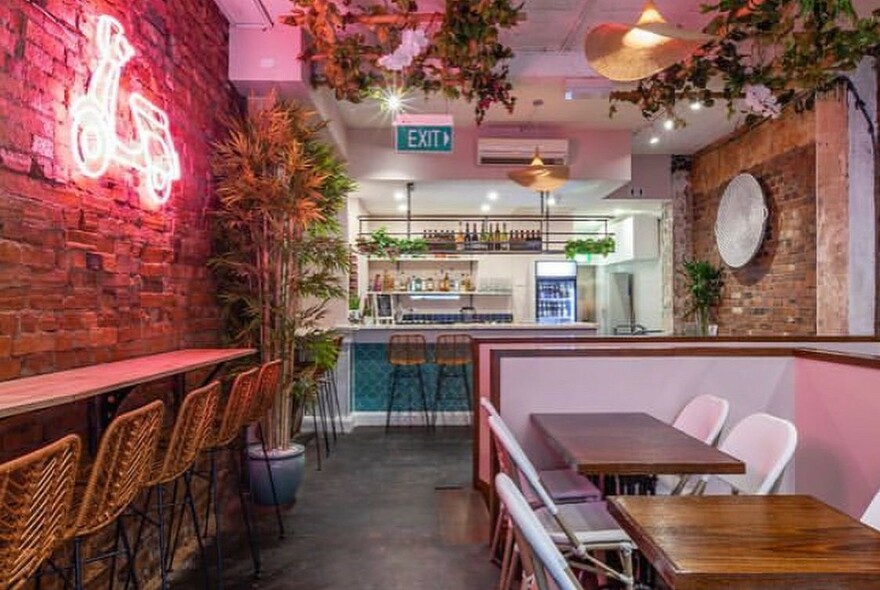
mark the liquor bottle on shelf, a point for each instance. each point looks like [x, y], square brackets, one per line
[459, 238]
[505, 237]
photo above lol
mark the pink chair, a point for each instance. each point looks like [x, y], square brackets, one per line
[871, 515]
[702, 418]
[766, 445]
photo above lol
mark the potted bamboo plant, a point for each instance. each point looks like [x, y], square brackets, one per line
[704, 283]
[279, 254]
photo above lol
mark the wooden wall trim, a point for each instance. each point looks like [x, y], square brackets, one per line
[479, 341]
[842, 358]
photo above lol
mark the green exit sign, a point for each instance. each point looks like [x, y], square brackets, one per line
[423, 133]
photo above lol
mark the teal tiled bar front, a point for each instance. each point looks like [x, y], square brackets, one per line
[371, 380]
[364, 374]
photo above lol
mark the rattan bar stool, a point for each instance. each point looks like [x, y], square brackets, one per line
[193, 424]
[36, 493]
[262, 402]
[228, 426]
[123, 463]
[452, 355]
[405, 352]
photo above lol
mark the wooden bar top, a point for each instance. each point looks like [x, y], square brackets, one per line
[27, 394]
[748, 542]
[630, 444]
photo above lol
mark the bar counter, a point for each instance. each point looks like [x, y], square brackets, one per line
[364, 375]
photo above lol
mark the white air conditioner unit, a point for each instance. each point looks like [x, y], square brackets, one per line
[503, 151]
[246, 14]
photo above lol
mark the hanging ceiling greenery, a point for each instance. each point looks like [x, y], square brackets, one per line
[360, 50]
[768, 52]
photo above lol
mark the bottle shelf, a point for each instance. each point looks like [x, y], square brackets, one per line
[487, 293]
[426, 258]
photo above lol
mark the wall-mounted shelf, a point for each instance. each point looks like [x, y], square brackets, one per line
[468, 293]
[491, 234]
[427, 258]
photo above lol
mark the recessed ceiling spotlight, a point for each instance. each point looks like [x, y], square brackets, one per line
[392, 99]
[654, 140]
[696, 105]
[485, 207]
[402, 207]
[669, 124]
[399, 195]
[551, 201]
[492, 195]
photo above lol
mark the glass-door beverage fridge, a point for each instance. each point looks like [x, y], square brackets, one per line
[555, 291]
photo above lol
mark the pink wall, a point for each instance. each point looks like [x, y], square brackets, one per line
[837, 412]
[659, 386]
[835, 406]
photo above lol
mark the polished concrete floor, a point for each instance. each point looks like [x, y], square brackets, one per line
[387, 512]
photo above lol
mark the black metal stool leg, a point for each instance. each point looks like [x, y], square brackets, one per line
[317, 437]
[335, 393]
[214, 500]
[323, 412]
[190, 503]
[129, 556]
[424, 398]
[467, 392]
[325, 392]
[391, 397]
[250, 523]
[78, 564]
[438, 395]
[278, 516]
[160, 509]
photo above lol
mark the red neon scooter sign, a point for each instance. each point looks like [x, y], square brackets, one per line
[94, 140]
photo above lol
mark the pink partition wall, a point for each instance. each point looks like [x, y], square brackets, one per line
[837, 412]
[658, 385]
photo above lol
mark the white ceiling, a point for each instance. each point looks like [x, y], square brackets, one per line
[549, 59]
[576, 197]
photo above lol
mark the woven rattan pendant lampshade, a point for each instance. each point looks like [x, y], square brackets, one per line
[537, 176]
[631, 52]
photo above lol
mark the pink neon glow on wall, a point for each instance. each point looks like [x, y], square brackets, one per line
[94, 140]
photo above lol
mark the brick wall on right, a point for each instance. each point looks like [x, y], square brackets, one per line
[775, 293]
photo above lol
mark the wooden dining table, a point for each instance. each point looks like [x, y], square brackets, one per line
[750, 542]
[635, 447]
[105, 385]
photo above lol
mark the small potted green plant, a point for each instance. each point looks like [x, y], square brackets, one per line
[704, 284]
[354, 308]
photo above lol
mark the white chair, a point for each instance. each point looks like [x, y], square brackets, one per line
[564, 485]
[871, 515]
[702, 418]
[765, 444]
[540, 555]
[579, 529]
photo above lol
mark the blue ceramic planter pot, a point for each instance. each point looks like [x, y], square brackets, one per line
[288, 468]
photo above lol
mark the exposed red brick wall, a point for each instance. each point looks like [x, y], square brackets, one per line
[776, 292]
[153, 292]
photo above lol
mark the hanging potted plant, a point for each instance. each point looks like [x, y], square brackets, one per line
[279, 255]
[704, 283]
[584, 249]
